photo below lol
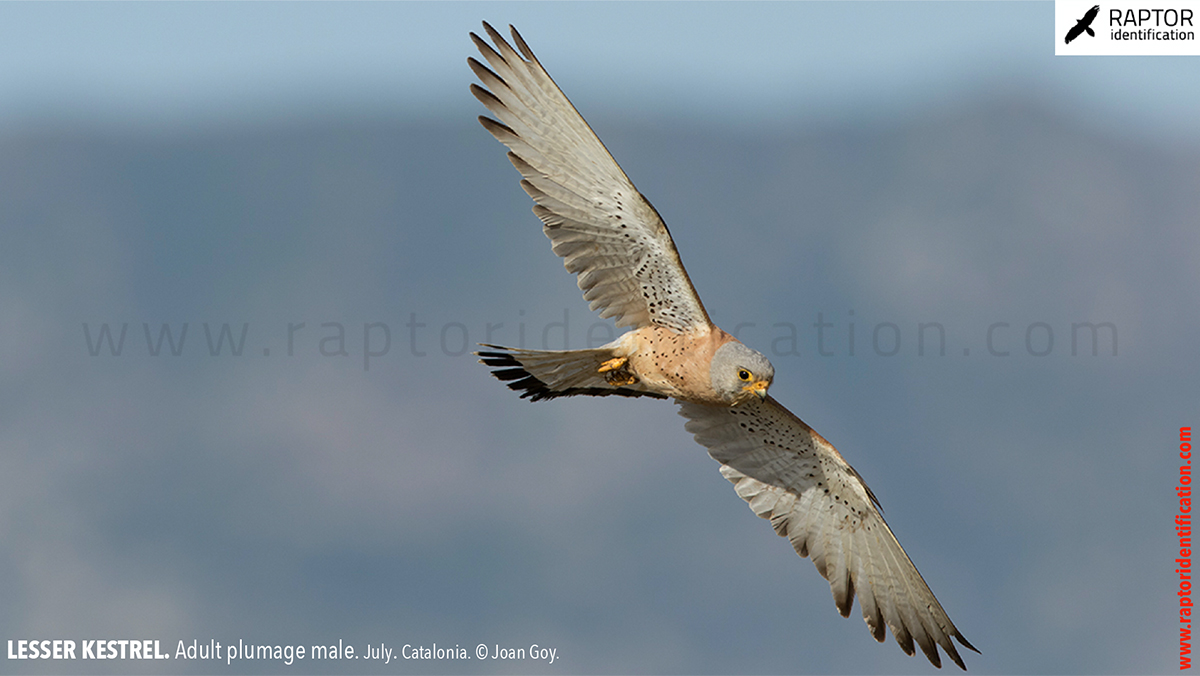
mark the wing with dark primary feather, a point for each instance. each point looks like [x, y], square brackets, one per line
[793, 477]
[604, 229]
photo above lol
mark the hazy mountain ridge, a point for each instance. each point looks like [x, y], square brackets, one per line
[344, 495]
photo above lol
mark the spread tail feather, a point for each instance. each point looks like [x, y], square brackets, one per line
[546, 374]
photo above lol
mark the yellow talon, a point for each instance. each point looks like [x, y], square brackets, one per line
[612, 364]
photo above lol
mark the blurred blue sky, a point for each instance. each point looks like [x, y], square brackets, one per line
[189, 63]
[866, 164]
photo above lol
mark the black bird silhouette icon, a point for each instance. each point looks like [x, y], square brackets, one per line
[1084, 24]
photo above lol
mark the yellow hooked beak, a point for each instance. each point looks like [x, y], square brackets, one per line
[759, 388]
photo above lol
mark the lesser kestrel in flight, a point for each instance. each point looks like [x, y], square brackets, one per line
[611, 237]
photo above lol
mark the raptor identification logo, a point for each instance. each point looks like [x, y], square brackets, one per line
[1126, 28]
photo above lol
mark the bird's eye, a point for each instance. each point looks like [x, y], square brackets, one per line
[744, 374]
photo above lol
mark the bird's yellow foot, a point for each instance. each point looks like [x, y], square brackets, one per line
[612, 364]
[620, 378]
[617, 372]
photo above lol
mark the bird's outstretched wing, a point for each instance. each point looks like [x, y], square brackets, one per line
[604, 229]
[792, 476]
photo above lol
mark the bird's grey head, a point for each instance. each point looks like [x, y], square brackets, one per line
[738, 373]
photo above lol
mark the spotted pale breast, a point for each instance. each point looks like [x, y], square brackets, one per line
[627, 266]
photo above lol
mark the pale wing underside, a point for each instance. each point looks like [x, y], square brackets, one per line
[792, 476]
[604, 229]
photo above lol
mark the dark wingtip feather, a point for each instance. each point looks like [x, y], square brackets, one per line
[906, 644]
[483, 47]
[958, 661]
[496, 128]
[483, 72]
[520, 41]
[931, 653]
[494, 34]
[963, 640]
[878, 630]
[845, 605]
[954, 653]
[485, 97]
